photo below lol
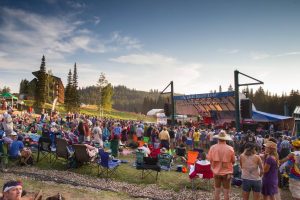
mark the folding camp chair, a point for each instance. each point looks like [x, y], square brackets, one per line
[44, 149]
[146, 139]
[3, 155]
[154, 153]
[5, 159]
[61, 150]
[165, 161]
[149, 166]
[106, 166]
[81, 154]
[202, 170]
[192, 157]
[139, 160]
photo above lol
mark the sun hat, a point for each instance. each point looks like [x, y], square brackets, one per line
[271, 144]
[163, 150]
[222, 136]
[13, 134]
[296, 143]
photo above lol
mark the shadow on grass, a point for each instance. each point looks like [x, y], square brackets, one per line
[125, 173]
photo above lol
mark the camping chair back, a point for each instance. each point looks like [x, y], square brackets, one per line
[154, 153]
[106, 167]
[2, 150]
[139, 158]
[61, 148]
[44, 144]
[202, 170]
[146, 139]
[104, 158]
[141, 143]
[180, 151]
[150, 165]
[165, 161]
[44, 147]
[192, 157]
[3, 155]
[81, 154]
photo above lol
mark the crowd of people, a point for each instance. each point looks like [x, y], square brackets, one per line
[262, 158]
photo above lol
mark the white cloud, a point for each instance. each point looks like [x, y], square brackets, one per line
[76, 5]
[229, 51]
[289, 53]
[156, 71]
[125, 41]
[27, 34]
[145, 59]
[262, 55]
[259, 55]
[97, 20]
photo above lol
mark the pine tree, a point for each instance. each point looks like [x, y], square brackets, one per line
[102, 83]
[40, 93]
[43, 65]
[75, 94]
[106, 97]
[24, 87]
[68, 92]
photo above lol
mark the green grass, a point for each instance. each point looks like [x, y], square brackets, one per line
[127, 173]
[171, 180]
[92, 110]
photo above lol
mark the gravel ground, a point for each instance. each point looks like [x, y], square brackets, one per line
[150, 191]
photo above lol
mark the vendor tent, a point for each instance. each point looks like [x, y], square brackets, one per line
[259, 116]
[8, 95]
[153, 112]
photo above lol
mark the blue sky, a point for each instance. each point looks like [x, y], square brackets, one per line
[145, 44]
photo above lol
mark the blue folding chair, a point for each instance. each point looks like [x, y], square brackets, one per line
[107, 167]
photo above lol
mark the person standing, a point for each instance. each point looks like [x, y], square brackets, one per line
[222, 159]
[87, 132]
[115, 139]
[294, 165]
[284, 148]
[164, 138]
[172, 138]
[81, 132]
[196, 138]
[140, 132]
[252, 170]
[97, 134]
[270, 177]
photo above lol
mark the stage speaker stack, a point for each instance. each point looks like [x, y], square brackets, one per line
[246, 108]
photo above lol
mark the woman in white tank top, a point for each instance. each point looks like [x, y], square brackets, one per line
[252, 171]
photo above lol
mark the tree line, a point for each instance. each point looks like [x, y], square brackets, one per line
[105, 96]
[274, 103]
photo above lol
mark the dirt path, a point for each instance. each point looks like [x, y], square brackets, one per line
[133, 191]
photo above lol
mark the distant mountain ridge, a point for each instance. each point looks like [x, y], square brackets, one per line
[125, 99]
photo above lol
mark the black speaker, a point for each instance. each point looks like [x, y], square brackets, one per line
[167, 109]
[246, 108]
[214, 114]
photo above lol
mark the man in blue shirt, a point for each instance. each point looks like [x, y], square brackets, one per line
[16, 146]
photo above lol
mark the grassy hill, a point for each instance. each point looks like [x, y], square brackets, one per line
[92, 110]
